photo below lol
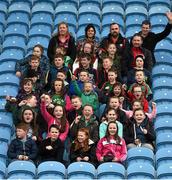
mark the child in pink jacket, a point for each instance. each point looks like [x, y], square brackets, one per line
[58, 118]
[111, 148]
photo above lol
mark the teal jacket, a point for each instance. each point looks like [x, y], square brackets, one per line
[103, 128]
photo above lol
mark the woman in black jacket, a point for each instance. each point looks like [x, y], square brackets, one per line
[62, 39]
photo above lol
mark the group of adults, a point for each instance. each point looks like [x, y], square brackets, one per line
[143, 42]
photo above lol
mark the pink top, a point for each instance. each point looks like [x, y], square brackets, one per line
[51, 120]
[111, 148]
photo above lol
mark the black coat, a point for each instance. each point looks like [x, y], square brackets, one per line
[53, 44]
[17, 147]
[129, 131]
[151, 40]
[123, 48]
[56, 154]
[91, 153]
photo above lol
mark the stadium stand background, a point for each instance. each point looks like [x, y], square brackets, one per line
[24, 23]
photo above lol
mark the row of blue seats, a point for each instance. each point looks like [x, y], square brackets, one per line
[83, 170]
[98, 3]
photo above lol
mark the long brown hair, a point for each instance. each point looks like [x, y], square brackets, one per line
[78, 145]
[32, 124]
[116, 137]
[63, 120]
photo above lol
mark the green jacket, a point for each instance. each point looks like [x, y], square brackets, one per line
[87, 98]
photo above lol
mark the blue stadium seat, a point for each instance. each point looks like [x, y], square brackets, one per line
[3, 153]
[8, 90]
[81, 170]
[40, 31]
[140, 171]
[162, 95]
[14, 42]
[16, 30]
[107, 19]
[164, 140]
[18, 18]
[153, 3]
[91, 2]
[5, 134]
[7, 66]
[11, 55]
[113, 2]
[85, 19]
[49, 2]
[2, 170]
[164, 46]
[66, 8]
[9, 79]
[81, 33]
[29, 2]
[41, 18]
[73, 2]
[112, 14]
[43, 7]
[37, 40]
[162, 69]
[162, 82]
[51, 170]
[140, 155]
[158, 20]
[164, 109]
[158, 10]
[164, 171]
[111, 170]
[66, 17]
[112, 9]
[143, 3]
[136, 10]
[21, 170]
[6, 119]
[163, 156]
[3, 8]
[90, 9]
[162, 56]
[163, 124]
[2, 19]
[22, 7]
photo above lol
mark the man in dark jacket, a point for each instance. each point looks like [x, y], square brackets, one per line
[121, 43]
[62, 39]
[137, 49]
[151, 39]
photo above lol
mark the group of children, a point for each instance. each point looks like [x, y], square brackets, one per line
[82, 109]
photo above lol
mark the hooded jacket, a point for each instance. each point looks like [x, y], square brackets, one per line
[92, 125]
[132, 131]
